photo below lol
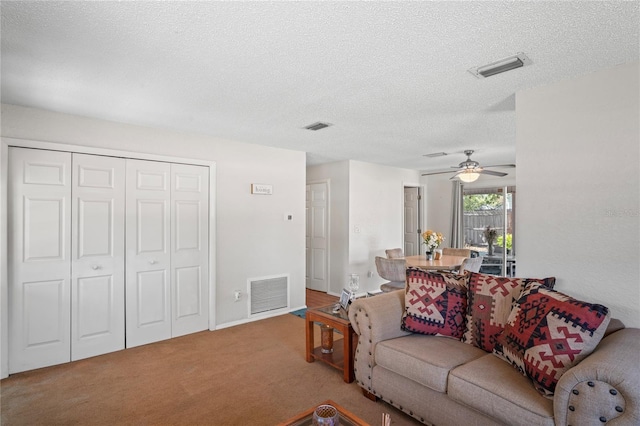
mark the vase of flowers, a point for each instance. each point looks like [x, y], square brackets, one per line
[490, 235]
[432, 240]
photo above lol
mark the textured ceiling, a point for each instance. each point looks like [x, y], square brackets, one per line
[390, 76]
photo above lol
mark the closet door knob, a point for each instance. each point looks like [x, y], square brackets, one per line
[96, 267]
[152, 261]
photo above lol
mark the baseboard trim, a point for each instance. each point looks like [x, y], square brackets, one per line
[277, 313]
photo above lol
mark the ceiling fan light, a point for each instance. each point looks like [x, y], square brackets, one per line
[468, 176]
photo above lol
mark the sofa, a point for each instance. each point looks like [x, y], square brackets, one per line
[442, 380]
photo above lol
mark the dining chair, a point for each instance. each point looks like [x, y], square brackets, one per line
[456, 252]
[472, 264]
[392, 270]
[394, 253]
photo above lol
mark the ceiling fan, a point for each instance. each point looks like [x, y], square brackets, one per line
[469, 170]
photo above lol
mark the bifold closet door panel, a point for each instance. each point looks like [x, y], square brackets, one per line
[148, 257]
[97, 289]
[103, 253]
[39, 258]
[190, 248]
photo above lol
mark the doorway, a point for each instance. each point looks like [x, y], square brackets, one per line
[412, 220]
[489, 227]
[317, 236]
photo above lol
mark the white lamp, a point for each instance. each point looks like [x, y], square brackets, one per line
[468, 176]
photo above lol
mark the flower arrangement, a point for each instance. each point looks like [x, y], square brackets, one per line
[490, 235]
[432, 239]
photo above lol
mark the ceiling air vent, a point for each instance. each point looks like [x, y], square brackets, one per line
[317, 126]
[435, 154]
[507, 64]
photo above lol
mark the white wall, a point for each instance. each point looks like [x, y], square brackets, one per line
[376, 216]
[367, 213]
[253, 239]
[578, 160]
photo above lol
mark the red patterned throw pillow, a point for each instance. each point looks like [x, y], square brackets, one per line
[548, 332]
[491, 299]
[435, 303]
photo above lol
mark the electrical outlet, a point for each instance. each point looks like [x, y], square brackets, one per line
[237, 295]
[369, 274]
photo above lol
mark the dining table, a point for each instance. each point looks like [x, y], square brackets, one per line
[446, 262]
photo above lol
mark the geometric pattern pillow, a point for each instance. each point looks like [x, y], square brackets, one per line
[490, 301]
[549, 332]
[435, 303]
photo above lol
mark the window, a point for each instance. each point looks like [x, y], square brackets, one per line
[489, 208]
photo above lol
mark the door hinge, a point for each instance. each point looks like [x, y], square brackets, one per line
[419, 231]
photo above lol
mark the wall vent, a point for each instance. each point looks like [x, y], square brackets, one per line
[268, 294]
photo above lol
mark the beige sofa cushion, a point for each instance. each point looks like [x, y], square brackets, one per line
[425, 359]
[492, 386]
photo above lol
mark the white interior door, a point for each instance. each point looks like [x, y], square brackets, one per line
[97, 289]
[148, 260]
[39, 258]
[189, 248]
[411, 221]
[317, 238]
[307, 235]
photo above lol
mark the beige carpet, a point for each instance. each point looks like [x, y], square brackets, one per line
[251, 374]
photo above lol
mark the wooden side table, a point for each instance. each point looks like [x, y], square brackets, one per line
[347, 418]
[342, 355]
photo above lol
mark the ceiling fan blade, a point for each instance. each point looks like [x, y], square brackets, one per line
[502, 165]
[492, 173]
[438, 173]
[470, 165]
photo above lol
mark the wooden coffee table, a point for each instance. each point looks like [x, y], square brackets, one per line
[306, 417]
[342, 356]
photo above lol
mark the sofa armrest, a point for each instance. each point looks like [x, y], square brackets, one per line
[605, 386]
[374, 319]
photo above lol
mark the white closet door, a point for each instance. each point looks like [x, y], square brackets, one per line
[39, 258]
[148, 260]
[97, 289]
[318, 237]
[189, 248]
